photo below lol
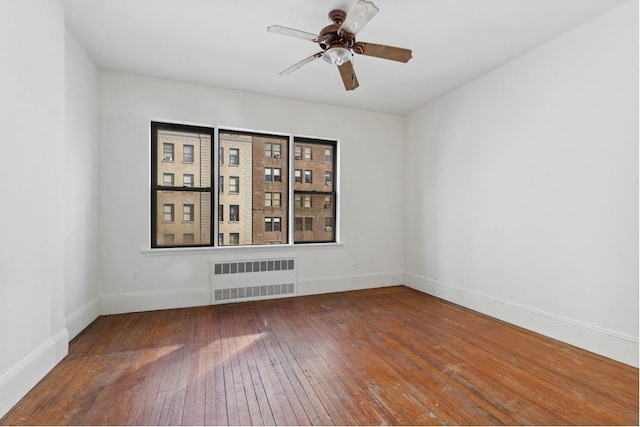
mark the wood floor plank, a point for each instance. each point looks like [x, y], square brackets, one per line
[381, 356]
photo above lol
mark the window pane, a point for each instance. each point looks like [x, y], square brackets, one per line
[307, 153]
[267, 199]
[277, 198]
[234, 213]
[297, 152]
[234, 184]
[196, 217]
[196, 163]
[308, 177]
[188, 238]
[234, 156]
[268, 224]
[314, 218]
[167, 179]
[277, 224]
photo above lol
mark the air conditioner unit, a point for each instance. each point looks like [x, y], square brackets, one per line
[276, 155]
[328, 228]
[167, 159]
[298, 157]
[327, 183]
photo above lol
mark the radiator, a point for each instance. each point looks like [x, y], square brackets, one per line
[249, 280]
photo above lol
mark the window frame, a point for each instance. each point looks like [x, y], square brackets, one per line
[216, 158]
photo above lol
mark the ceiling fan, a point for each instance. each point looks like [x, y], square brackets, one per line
[338, 42]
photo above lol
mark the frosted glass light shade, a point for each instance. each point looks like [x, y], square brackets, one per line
[337, 55]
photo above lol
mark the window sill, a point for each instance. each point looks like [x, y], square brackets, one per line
[151, 252]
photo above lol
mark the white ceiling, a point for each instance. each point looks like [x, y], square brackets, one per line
[224, 43]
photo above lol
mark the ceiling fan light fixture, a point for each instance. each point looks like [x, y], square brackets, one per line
[337, 55]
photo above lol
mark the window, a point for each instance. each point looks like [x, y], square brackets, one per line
[314, 207]
[234, 156]
[187, 153]
[167, 152]
[188, 212]
[272, 175]
[186, 186]
[234, 213]
[191, 192]
[167, 210]
[234, 184]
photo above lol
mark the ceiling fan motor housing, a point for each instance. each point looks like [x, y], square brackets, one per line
[331, 35]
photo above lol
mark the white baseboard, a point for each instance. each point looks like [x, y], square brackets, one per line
[593, 338]
[349, 283]
[147, 301]
[17, 382]
[82, 317]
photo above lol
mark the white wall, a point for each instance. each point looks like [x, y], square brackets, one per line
[522, 190]
[81, 188]
[371, 174]
[33, 337]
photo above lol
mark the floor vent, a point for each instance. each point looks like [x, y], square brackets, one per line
[250, 280]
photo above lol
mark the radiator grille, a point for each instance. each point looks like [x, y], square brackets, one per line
[248, 280]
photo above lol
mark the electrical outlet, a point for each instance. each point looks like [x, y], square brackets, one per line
[356, 265]
[135, 275]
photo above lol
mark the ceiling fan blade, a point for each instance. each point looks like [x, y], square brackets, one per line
[348, 75]
[301, 63]
[286, 31]
[358, 16]
[381, 51]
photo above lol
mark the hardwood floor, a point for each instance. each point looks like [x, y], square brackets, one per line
[383, 356]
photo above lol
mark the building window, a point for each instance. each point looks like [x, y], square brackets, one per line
[234, 184]
[276, 151]
[234, 156]
[167, 210]
[167, 152]
[189, 183]
[188, 212]
[187, 153]
[234, 213]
